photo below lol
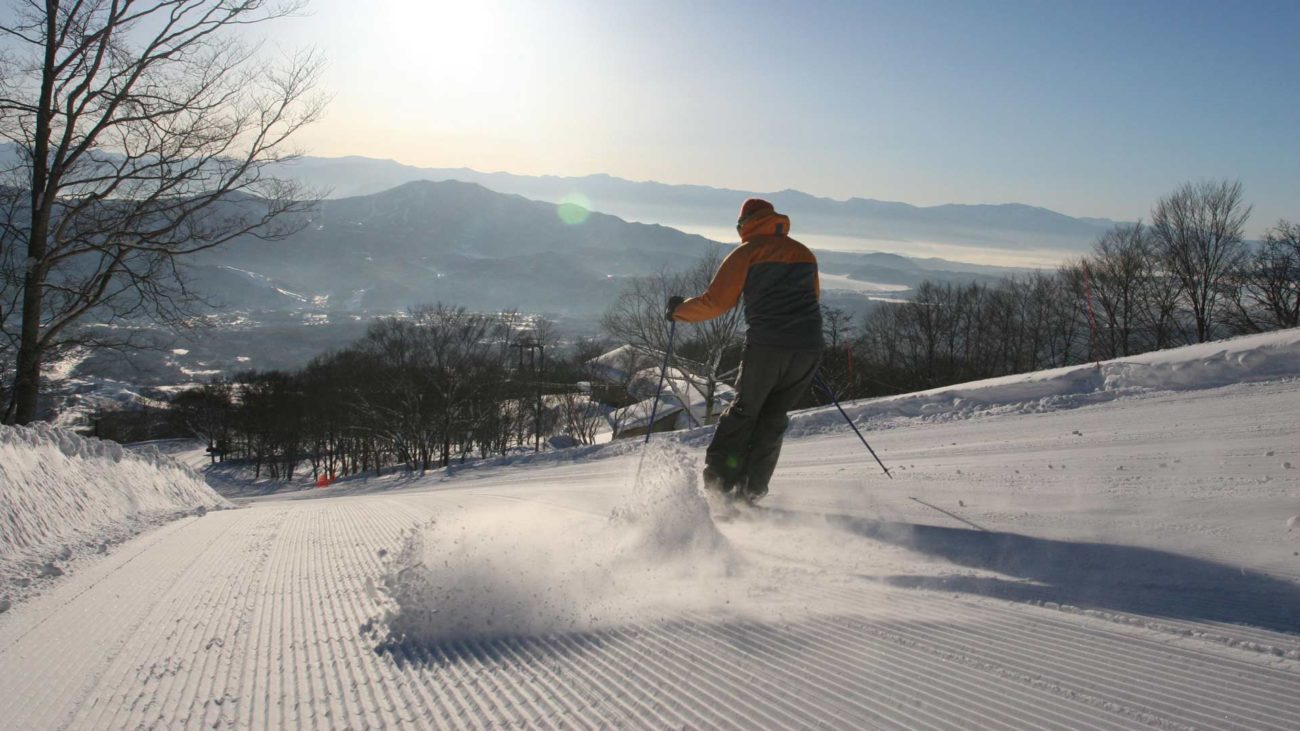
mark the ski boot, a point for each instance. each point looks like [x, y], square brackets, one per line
[715, 483]
[751, 496]
[721, 492]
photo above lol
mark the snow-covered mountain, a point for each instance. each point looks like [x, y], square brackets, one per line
[1096, 547]
[1011, 226]
[455, 242]
[462, 243]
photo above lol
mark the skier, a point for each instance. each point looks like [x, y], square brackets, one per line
[778, 277]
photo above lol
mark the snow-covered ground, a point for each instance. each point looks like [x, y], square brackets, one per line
[63, 496]
[1085, 548]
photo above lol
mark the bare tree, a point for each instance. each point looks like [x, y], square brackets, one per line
[836, 366]
[1198, 231]
[206, 411]
[1160, 311]
[1065, 292]
[144, 130]
[397, 402]
[712, 337]
[1117, 270]
[580, 416]
[12, 266]
[455, 345]
[637, 318]
[1267, 295]
[837, 323]
[587, 349]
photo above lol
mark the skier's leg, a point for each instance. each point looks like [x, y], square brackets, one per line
[728, 453]
[769, 428]
[769, 433]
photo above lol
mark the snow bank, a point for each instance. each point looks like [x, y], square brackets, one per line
[62, 494]
[1251, 358]
[512, 572]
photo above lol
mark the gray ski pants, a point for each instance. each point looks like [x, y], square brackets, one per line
[747, 444]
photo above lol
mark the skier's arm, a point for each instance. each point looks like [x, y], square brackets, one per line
[723, 292]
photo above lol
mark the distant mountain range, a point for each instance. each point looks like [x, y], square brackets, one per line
[404, 242]
[450, 241]
[461, 243]
[874, 224]
[988, 233]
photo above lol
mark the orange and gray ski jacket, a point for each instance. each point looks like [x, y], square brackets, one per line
[778, 277]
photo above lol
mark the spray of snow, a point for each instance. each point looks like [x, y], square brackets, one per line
[665, 514]
[63, 495]
[512, 572]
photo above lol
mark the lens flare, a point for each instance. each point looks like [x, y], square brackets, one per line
[573, 208]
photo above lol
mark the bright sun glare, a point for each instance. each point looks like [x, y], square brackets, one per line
[462, 49]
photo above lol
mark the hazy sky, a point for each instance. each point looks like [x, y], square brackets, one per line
[1091, 108]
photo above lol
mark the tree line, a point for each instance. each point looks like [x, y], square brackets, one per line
[419, 391]
[1186, 277]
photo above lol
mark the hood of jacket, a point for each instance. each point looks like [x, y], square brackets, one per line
[770, 223]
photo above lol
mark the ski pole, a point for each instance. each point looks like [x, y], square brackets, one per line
[654, 408]
[821, 382]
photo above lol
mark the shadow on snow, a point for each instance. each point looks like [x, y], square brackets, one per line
[1090, 575]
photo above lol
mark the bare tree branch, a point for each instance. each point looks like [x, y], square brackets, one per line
[1198, 230]
[144, 131]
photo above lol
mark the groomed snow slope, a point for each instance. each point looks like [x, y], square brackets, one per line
[1248, 359]
[62, 495]
[1082, 563]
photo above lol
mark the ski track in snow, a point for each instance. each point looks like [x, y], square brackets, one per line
[1086, 598]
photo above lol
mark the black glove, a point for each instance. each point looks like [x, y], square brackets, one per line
[673, 303]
